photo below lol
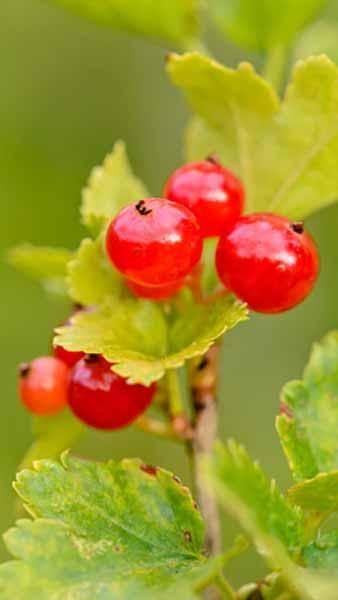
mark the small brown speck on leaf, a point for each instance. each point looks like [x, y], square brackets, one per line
[149, 469]
[284, 409]
[177, 479]
[187, 536]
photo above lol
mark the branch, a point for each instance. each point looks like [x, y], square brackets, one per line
[204, 381]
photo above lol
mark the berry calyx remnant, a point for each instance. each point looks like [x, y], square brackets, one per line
[154, 242]
[214, 194]
[102, 399]
[43, 385]
[268, 262]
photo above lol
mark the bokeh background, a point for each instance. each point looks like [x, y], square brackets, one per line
[69, 89]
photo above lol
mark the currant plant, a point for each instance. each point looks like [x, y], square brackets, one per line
[157, 283]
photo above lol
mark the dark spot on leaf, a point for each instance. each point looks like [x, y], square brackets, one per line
[177, 479]
[149, 469]
[284, 409]
[195, 505]
[187, 536]
[117, 548]
[24, 369]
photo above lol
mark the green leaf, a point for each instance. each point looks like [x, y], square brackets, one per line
[258, 505]
[91, 277]
[285, 153]
[321, 38]
[141, 342]
[267, 25]
[308, 422]
[319, 494]
[275, 526]
[172, 20]
[110, 187]
[46, 265]
[323, 553]
[100, 529]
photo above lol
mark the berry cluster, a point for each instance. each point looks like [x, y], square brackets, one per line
[266, 260]
[85, 382]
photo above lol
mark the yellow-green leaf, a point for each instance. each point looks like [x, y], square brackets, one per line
[284, 152]
[91, 277]
[110, 187]
[141, 342]
[308, 422]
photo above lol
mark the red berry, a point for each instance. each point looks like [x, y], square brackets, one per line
[268, 261]
[154, 292]
[68, 357]
[154, 242]
[211, 192]
[43, 385]
[103, 399]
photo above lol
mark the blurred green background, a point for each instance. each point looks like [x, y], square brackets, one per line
[69, 89]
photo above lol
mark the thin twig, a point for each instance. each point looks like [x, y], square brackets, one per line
[204, 382]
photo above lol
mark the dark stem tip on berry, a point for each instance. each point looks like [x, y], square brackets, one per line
[142, 209]
[24, 369]
[297, 227]
[213, 159]
[204, 363]
[91, 358]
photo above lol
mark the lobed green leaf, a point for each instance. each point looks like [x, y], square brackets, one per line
[142, 342]
[97, 527]
[275, 526]
[319, 494]
[308, 423]
[110, 187]
[284, 152]
[91, 277]
[258, 505]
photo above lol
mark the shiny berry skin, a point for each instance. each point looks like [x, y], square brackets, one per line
[43, 385]
[68, 357]
[268, 262]
[154, 292]
[211, 192]
[102, 399]
[154, 242]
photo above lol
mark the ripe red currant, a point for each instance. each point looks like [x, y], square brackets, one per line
[154, 242]
[268, 261]
[154, 292]
[43, 385]
[211, 192]
[102, 399]
[68, 357]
